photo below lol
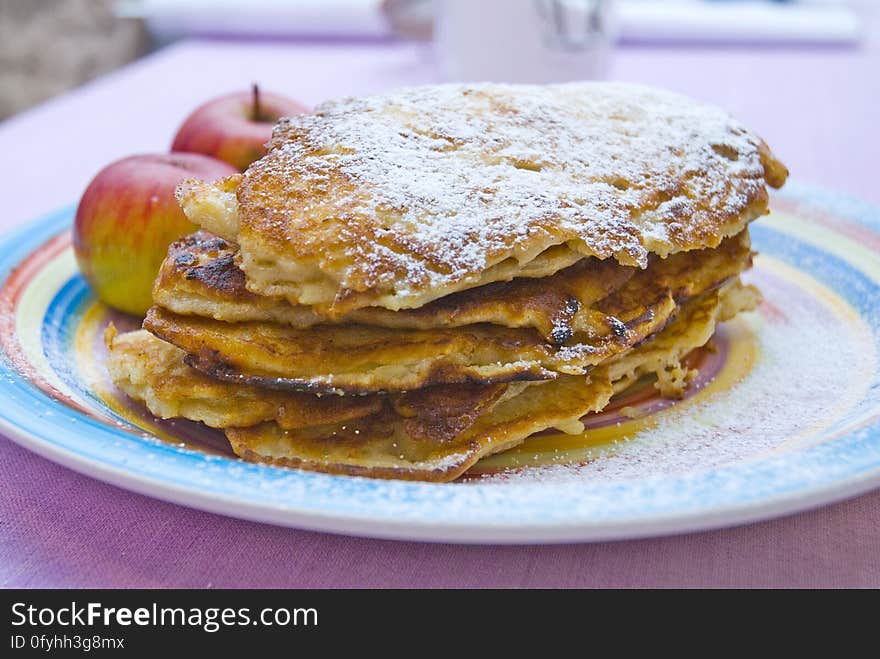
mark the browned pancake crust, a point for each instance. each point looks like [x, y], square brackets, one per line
[361, 359]
[356, 359]
[154, 371]
[428, 434]
[380, 446]
[149, 369]
[199, 277]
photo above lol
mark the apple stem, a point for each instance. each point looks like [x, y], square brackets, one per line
[255, 88]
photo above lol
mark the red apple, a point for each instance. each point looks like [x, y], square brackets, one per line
[236, 127]
[126, 219]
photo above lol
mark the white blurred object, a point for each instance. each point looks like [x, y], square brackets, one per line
[756, 21]
[680, 21]
[523, 40]
[260, 18]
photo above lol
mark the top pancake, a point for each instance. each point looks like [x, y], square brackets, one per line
[400, 199]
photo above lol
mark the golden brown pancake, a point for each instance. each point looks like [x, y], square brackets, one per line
[151, 370]
[199, 277]
[429, 434]
[356, 358]
[400, 199]
[379, 446]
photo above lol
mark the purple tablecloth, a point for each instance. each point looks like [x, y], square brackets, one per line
[816, 107]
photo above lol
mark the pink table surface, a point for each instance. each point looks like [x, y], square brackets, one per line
[61, 529]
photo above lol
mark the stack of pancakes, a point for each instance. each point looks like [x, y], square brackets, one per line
[409, 282]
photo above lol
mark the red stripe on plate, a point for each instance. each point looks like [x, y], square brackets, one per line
[10, 297]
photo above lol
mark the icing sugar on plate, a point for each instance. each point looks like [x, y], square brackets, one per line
[814, 361]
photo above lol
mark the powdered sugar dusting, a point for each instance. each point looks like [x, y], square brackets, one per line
[795, 387]
[444, 181]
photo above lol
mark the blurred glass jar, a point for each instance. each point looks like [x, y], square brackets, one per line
[528, 41]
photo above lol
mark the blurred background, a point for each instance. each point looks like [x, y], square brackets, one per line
[108, 78]
[49, 46]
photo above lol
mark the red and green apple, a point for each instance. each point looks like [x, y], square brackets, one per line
[127, 217]
[235, 127]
